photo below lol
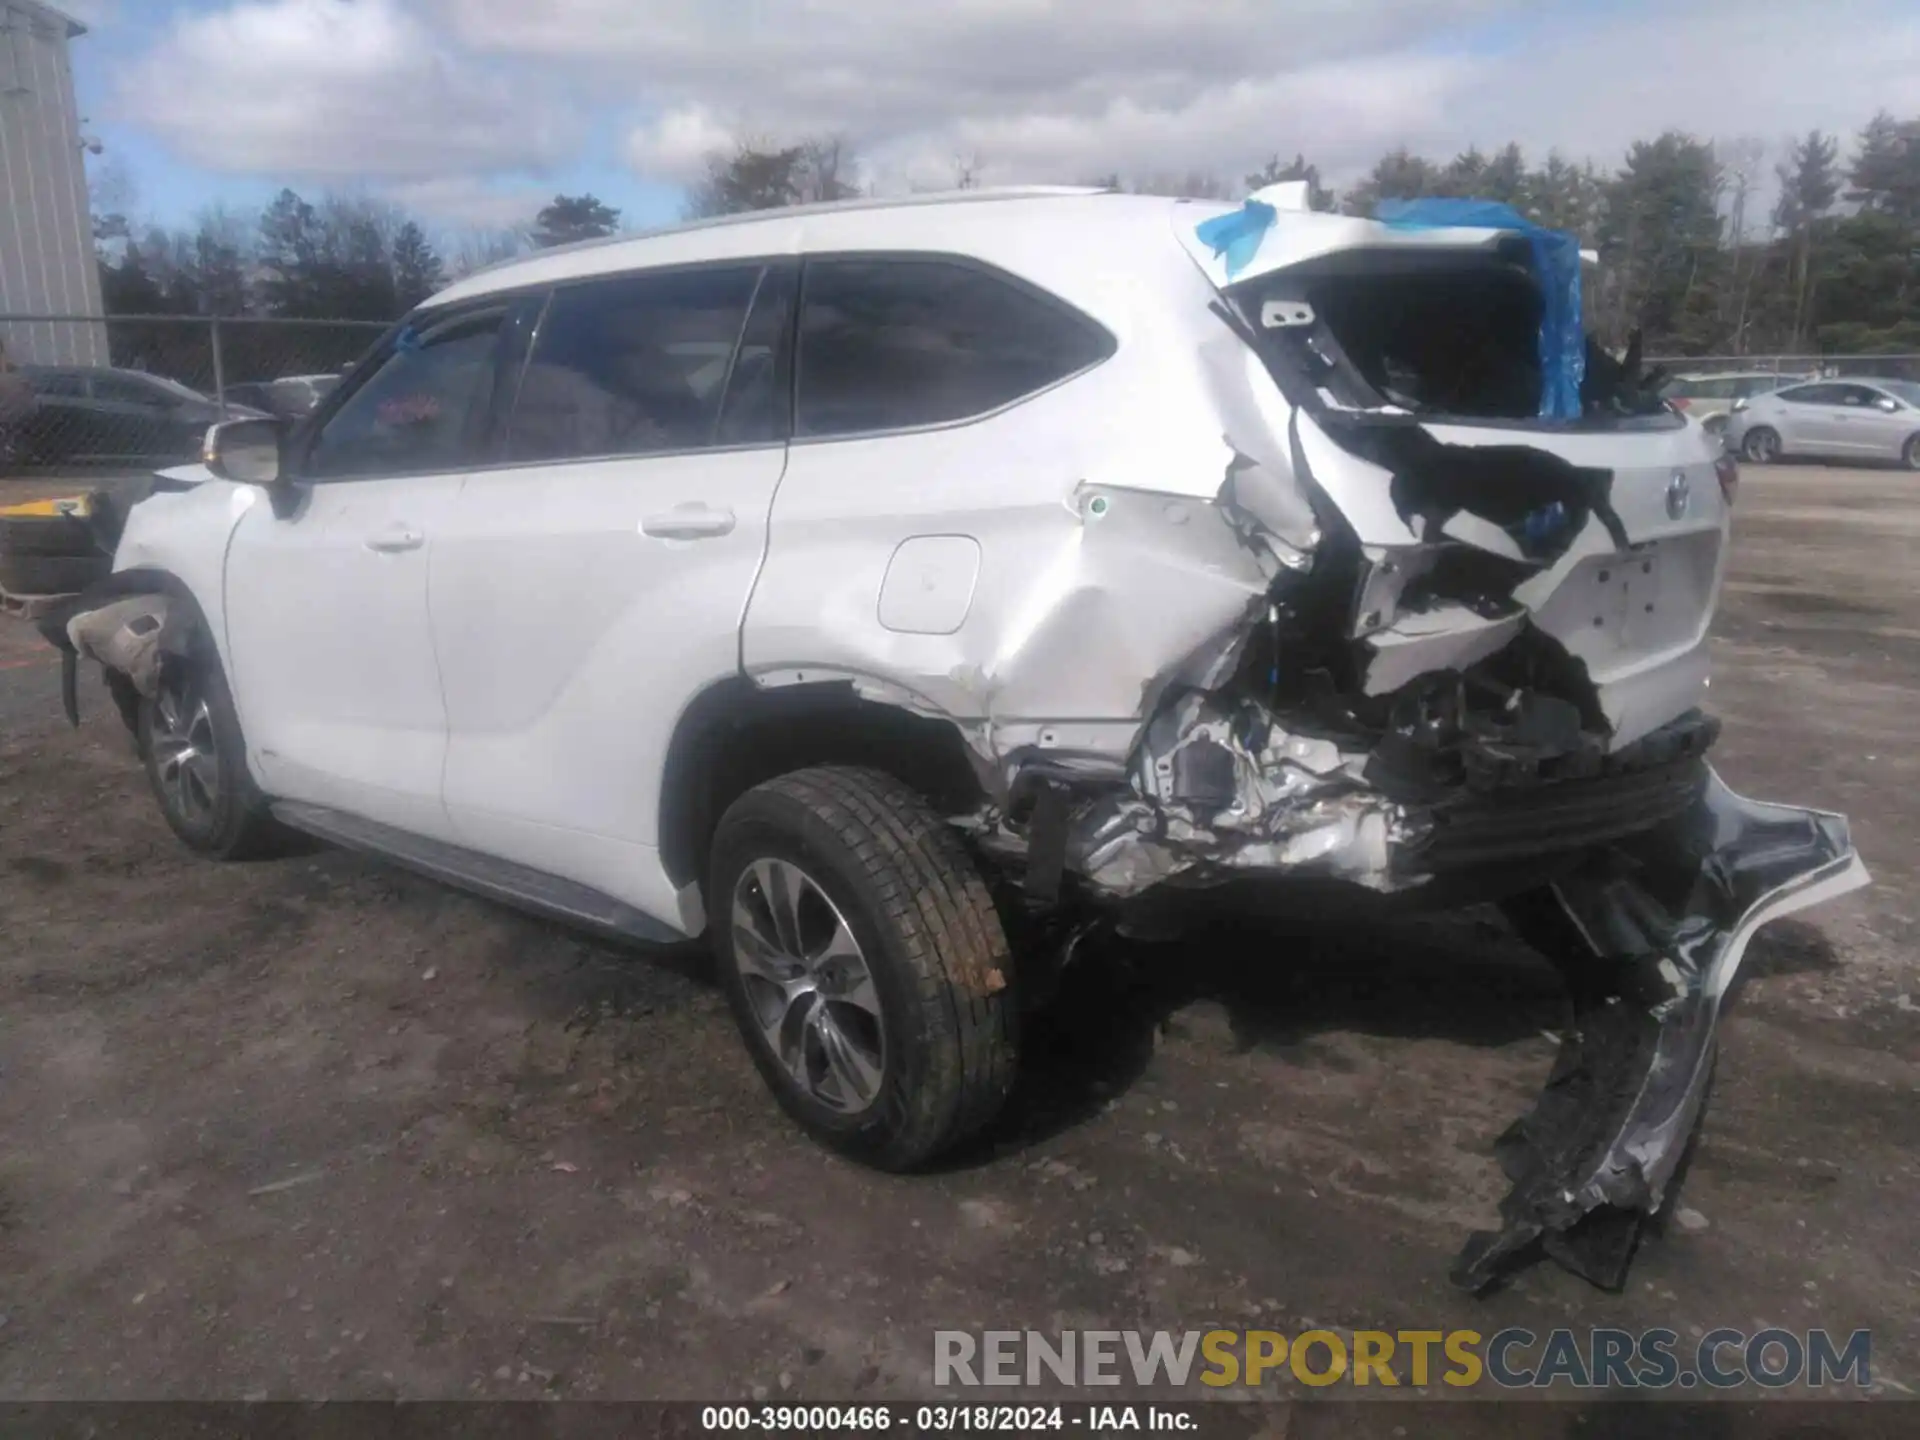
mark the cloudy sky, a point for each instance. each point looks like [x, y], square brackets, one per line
[473, 111]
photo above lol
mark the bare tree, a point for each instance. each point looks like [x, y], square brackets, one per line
[1740, 164]
[760, 175]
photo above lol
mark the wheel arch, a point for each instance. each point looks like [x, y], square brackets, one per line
[736, 734]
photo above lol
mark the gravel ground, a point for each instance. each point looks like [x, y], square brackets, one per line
[315, 1128]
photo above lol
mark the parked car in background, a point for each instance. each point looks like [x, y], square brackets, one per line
[1711, 398]
[290, 397]
[1865, 419]
[92, 413]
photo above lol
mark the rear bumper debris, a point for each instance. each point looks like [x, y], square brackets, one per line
[1649, 934]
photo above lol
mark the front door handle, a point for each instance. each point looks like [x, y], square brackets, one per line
[692, 521]
[395, 539]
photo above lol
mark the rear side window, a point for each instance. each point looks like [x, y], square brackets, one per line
[631, 366]
[892, 344]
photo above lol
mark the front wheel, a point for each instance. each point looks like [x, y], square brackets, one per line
[865, 963]
[1910, 456]
[1762, 445]
[195, 759]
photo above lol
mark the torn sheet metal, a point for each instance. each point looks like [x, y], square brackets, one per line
[124, 635]
[1447, 637]
[1662, 923]
[125, 625]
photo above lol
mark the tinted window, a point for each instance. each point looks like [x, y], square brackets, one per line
[413, 413]
[121, 391]
[886, 344]
[1811, 395]
[57, 383]
[1858, 395]
[631, 366]
[759, 398]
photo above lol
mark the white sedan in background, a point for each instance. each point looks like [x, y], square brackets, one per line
[1831, 419]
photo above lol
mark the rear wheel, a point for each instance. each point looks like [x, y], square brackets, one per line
[865, 963]
[1762, 445]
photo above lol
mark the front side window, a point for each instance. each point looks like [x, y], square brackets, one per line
[631, 366]
[893, 344]
[413, 413]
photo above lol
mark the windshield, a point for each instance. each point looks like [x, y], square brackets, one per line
[1907, 390]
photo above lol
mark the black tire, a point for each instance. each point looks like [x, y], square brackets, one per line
[52, 574]
[46, 535]
[232, 823]
[1761, 445]
[927, 934]
[1911, 455]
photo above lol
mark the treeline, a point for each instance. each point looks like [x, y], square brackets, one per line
[1687, 256]
[337, 258]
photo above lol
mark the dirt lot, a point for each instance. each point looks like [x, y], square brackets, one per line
[312, 1127]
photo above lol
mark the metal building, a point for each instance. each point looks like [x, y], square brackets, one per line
[47, 262]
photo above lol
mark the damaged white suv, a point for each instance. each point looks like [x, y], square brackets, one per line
[867, 584]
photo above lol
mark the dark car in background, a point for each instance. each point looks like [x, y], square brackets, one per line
[290, 397]
[85, 414]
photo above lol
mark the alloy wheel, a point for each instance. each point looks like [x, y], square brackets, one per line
[184, 754]
[808, 985]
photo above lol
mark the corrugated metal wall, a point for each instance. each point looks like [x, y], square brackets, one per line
[47, 263]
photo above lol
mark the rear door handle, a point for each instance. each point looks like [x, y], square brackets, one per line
[396, 538]
[692, 521]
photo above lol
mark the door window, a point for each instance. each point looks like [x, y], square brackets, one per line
[127, 392]
[415, 412]
[893, 344]
[1813, 394]
[633, 365]
[1858, 396]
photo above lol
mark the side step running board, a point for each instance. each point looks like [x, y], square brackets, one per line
[493, 879]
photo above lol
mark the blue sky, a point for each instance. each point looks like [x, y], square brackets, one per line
[473, 112]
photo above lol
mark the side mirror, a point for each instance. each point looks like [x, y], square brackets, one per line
[246, 452]
[1886, 404]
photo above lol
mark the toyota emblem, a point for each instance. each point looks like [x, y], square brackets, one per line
[1679, 495]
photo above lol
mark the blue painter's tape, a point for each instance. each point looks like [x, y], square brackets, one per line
[1556, 263]
[1237, 236]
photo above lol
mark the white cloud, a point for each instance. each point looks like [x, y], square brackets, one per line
[676, 145]
[447, 93]
[467, 202]
[336, 90]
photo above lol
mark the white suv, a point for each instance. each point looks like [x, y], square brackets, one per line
[866, 584]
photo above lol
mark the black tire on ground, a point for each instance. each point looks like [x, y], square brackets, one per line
[1911, 455]
[1761, 445]
[927, 934]
[46, 535]
[190, 742]
[52, 574]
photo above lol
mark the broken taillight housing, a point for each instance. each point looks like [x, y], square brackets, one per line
[1727, 472]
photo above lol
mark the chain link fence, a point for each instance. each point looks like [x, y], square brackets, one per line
[156, 382]
[1885, 367]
